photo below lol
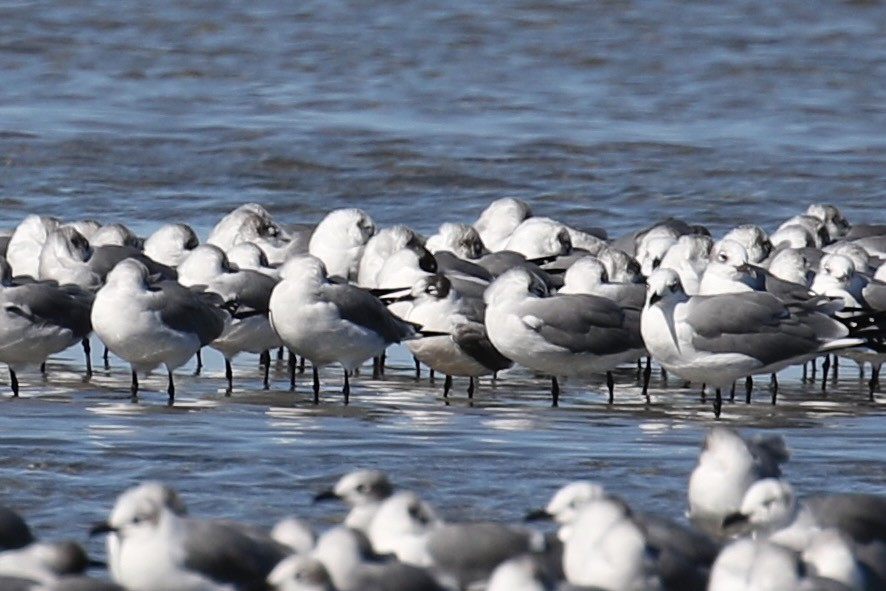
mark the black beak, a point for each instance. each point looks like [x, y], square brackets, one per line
[325, 495]
[654, 299]
[538, 515]
[734, 519]
[102, 527]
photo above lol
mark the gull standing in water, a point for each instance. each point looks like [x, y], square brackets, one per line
[719, 338]
[560, 335]
[339, 240]
[249, 292]
[328, 322]
[39, 319]
[170, 244]
[148, 324]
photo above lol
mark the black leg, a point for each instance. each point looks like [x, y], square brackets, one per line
[805, 376]
[265, 361]
[133, 388]
[874, 382]
[199, 367]
[555, 391]
[87, 353]
[814, 371]
[105, 361]
[170, 389]
[610, 384]
[383, 358]
[718, 404]
[43, 370]
[376, 372]
[825, 367]
[316, 373]
[417, 368]
[301, 364]
[447, 385]
[291, 366]
[773, 385]
[229, 375]
[647, 375]
[748, 389]
[346, 390]
[732, 393]
[13, 379]
[471, 387]
[280, 354]
[836, 373]
[431, 375]
[704, 395]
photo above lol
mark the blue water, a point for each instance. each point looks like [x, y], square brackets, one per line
[606, 114]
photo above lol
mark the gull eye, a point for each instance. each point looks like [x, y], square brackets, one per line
[362, 488]
[722, 257]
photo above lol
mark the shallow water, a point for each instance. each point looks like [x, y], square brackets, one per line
[608, 114]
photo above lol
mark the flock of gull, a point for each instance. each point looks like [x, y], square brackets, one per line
[470, 300]
[747, 530]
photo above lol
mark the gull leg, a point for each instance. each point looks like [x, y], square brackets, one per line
[170, 389]
[229, 375]
[317, 385]
[447, 385]
[290, 364]
[647, 375]
[748, 389]
[199, 362]
[825, 367]
[346, 390]
[773, 385]
[471, 388]
[87, 353]
[265, 361]
[610, 385]
[13, 379]
[133, 387]
[718, 404]
[555, 391]
[874, 382]
[417, 368]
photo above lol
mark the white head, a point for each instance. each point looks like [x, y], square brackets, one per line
[540, 237]
[664, 286]
[514, 285]
[303, 268]
[620, 266]
[652, 250]
[566, 504]
[836, 224]
[755, 565]
[204, 264]
[383, 243]
[363, 486]
[171, 243]
[295, 533]
[523, 573]
[462, 240]
[115, 234]
[584, 275]
[769, 503]
[754, 240]
[401, 523]
[128, 273]
[499, 220]
[791, 265]
[300, 573]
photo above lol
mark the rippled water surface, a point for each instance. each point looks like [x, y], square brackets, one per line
[606, 114]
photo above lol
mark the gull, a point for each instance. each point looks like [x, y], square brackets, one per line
[816, 230]
[860, 257]
[588, 275]
[379, 247]
[364, 491]
[837, 226]
[620, 266]
[717, 339]
[462, 348]
[44, 562]
[728, 464]
[792, 265]
[249, 328]
[26, 242]
[247, 255]
[339, 240]
[115, 234]
[295, 534]
[171, 243]
[651, 251]
[87, 227]
[754, 240]
[148, 324]
[758, 565]
[538, 237]
[689, 257]
[559, 335]
[39, 319]
[251, 222]
[793, 235]
[499, 220]
[460, 553]
[300, 573]
[328, 322]
[606, 548]
[463, 240]
[523, 573]
[770, 508]
[160, 549]
[353, 566]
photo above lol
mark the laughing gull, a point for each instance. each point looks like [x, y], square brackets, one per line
[328, 322]
[463, 347]
[463, 240]
[588, 275]
[115, 234]
[727, 466]
[607, 549]
[353, 566]
[523, 573]
[836, 225]
[540, 237]
[498, 221]
[170, 244]
[251, 223]
[759, 565]
[620, 266]
[717, 339]
[249, 292]
[560, 335]
[651, 251]
[294, 533]
[770, 507]
[379, 247]
[754, 240]
[44, 562]
[364, 491]
[300, 573]
[160, 549]
[39, 319]
[26, 242]
[148, 324]
[65, 258]
[339, 240]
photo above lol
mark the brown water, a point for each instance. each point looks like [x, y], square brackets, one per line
[608, 114]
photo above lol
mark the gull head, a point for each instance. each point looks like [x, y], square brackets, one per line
[663, 285]
[514, 285]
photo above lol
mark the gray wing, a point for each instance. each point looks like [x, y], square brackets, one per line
[362, 308]
[586, 323]
[105, 258]
[757, 324]
[186, 311]
[254, 291]
[448, 262]
[471, 551]
[473, 340]
[685, 554]
[862, 516]
[875, 295]
[40, 302]
[223, 553]
[14, 532]
[393, 575]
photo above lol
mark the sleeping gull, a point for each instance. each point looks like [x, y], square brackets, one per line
[364, 491]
